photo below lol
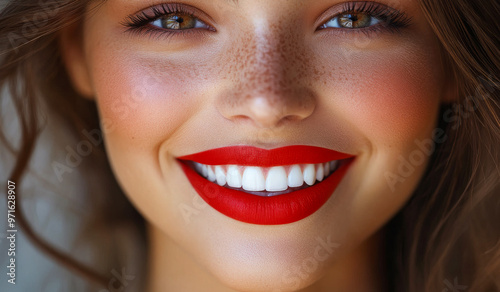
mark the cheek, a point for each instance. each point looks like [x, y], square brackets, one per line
[138, 103]
[390, 97]
[400, 103]
[143, 102]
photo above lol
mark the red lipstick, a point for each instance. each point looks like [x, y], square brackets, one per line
[273, 210]
[248, 155]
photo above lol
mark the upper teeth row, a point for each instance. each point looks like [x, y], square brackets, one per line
[271, 179]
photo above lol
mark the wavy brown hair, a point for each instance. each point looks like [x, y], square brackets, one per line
[448, 234]
[32, 69]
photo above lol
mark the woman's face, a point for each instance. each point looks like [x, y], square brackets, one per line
[360, 78]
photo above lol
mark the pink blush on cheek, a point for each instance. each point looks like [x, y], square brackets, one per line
[136, 102]
[394, 103]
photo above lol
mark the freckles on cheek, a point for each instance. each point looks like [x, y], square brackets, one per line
[139, 104]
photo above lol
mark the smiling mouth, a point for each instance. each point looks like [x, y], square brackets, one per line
[267, 181]
[266, 187]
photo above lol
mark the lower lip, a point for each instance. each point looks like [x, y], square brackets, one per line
[276, 210]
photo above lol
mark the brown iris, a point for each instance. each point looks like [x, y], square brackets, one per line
[178, 21]
[354, 20]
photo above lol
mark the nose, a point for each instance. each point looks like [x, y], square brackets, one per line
[266, 73]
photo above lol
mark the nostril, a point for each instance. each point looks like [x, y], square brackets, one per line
[240, 119]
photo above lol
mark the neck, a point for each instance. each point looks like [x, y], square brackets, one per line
[171, 268]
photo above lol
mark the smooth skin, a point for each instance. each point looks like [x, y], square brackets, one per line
[262, 75]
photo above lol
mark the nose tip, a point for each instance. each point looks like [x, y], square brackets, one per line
[268, 113]
[267, 107]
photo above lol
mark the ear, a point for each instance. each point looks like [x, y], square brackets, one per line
[73, 55]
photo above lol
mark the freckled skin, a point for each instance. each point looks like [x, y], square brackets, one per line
[272, 65]
[266, 78]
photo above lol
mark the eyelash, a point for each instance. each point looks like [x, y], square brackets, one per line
[391, 19]
[139, 23]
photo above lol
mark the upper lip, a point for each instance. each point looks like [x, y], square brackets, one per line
[253, 156]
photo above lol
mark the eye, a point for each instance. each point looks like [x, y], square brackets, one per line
[352, 20]
[169, 20]
[178, 21]
[366, 16]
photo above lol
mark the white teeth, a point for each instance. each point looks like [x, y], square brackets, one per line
[295, 177]
[310, 174]
[233, 176]
[204, 170]
[320, 172]
[220, 176]
[327, 168]
[253, 179]
[276, 179]
[211, 174]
